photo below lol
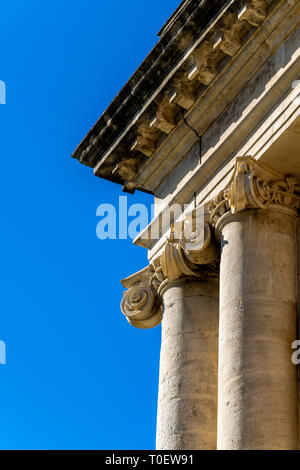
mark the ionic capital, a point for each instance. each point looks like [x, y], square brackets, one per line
[255, 186]
[194, 254]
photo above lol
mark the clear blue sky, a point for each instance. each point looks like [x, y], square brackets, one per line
[77, 375]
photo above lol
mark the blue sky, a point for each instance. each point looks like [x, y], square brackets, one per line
[77, 375]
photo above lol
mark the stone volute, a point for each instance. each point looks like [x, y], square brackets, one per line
[186, 253]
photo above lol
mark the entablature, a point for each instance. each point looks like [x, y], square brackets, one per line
[199, 77]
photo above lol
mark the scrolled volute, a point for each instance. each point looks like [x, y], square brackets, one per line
[196, 239]
[190, 249]
[141, 304]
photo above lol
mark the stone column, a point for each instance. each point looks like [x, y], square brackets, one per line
[256, 221]
[187, 403]
[185, 279]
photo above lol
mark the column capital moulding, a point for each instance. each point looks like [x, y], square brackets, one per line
[255, 186]
[196, 256]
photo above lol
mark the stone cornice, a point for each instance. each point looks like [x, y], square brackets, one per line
[137, 122]
[208, 112]
[152, 71]
[193, 256]
[255, 186]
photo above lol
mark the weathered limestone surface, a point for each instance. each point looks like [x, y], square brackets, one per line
[229, 133]
[187, 403]
[257, 380]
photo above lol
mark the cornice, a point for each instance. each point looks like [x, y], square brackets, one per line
[213, 103]
[183, 64]
[194, 18]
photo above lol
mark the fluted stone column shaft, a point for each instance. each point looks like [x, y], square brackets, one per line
[187, 404]
[257, 406]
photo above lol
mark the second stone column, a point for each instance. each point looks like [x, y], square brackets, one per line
[257, 383]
